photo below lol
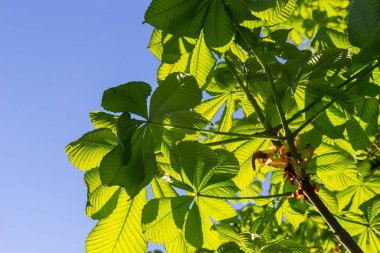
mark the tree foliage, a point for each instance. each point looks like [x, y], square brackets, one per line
[256, 101]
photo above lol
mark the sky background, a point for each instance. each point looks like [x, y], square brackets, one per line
[56, 59]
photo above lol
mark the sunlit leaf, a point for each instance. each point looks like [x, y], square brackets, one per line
[130, 97]
[88, 151]
[121, 231]
[102, 200]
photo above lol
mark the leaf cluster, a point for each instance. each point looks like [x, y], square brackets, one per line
[174, 166]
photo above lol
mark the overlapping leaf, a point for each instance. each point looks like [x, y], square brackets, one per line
[121, 231]
[363, 23]
[203, 168]
[365, 227]
[188, 17]
[88, 151]
[102, 200]
[270, 13]
[130, 97]
[334, 167]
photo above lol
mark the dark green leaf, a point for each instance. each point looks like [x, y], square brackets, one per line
[130, 97]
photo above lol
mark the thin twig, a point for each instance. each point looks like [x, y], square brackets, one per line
[333, 100]
[267, 70]
[255, 135]
[251, 99]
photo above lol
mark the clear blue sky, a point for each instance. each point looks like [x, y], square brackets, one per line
[56, 59]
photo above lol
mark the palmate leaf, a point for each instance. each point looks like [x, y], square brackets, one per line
[204, 166]
[363, 23]
[102, 200]
[88, 151]
[207, 171]
[132, 163]
[139, 171]
[365, 228]
[250, 243]
[188, 17]
[178, 92]
[130, 97]
[334, 167]
[224, 93]
[358, 193]
[121, 231]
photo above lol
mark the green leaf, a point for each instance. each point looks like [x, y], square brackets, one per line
[357, 194]
[178, 245]
[217, 209]
[188, 17]
[285, 246]
[163, 219]
[197, 161]
[204, 166]
[155, 44]
[121, 231]
[218, 27]
[88, 151]
[330, 199]
[335, 168]
[181, 65]
[276, 13]
[198, 231]
[227, 233]
[162, 189]
[126, 127]
[103, 120]
[224, 93]
[244, 154]
[365, 228]
[202, 61]
[362, 128]
[138, 172]
[330, 38]
[332, 59]
[102, 200]
[363, 23]
[181, 17]
[130, 97]
[222, 189]
[178, 92]
[294, 212]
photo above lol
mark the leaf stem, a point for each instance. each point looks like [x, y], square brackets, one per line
[286, 194]
[268, 72]
[255, 135]
[251, 99]
[336, 98]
